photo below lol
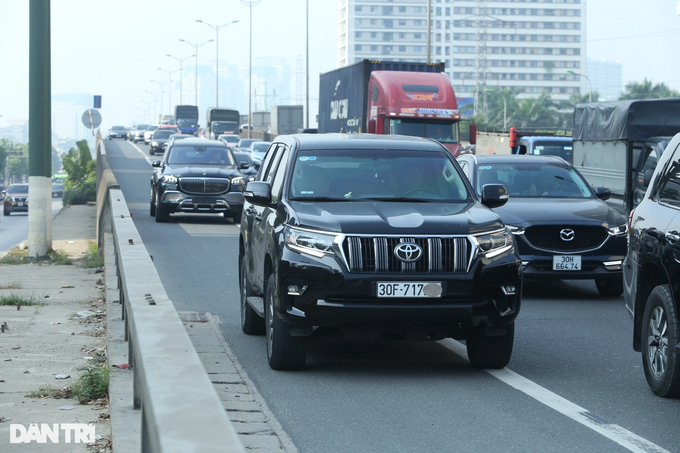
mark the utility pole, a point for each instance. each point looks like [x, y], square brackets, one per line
[217, 29]
[307, 69]
[429, 30]
[196, 46]
[40, 132]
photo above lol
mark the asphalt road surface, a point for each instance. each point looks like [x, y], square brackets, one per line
[14, 227]
[574, 382]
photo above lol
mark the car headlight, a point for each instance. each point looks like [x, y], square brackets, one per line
[170, 179]
[618, 230]
[515, 230]
[493, 244]
[154, 143]
[312, 242]
[238, 181]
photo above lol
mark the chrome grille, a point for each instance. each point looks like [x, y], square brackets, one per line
[376, 254]
[204, 185]
[547, 237]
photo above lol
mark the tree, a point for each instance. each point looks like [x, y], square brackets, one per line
[536, 113]
[647, 90]
[79, 165]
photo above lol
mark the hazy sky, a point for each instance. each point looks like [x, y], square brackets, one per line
[114, 48]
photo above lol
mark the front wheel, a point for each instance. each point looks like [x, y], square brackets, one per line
[162, 215]
[5, 212]
[610, 287]
[490, 351]
[236, 217]
[152, 205]
[660, 336]
[251, 323]
[284, 351]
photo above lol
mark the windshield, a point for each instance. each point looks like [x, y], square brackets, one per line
[17, 189]
[151, 128]
[224, 126]
[442, 131]
[187, 123]
[118, 128]
[261, 147]
[162, 134]
[230, 138]
[200, 155]
[377, 175]
[564, 150]
[141, 127]
[243, 157]
[529, 180]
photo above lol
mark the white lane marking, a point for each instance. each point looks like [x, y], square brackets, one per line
[621, 436]
[147, 158]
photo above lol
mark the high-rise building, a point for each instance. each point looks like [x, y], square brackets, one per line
[606, 77]
[524, 45]
[67, 113]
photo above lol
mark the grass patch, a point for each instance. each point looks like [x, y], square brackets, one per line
[14, 299]
[92, 384]
[18, 256]
[58, 257]
[48, 391]
[14, 256]
[11, 285]
[93, 259]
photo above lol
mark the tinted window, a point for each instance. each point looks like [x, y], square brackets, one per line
[277, 183]
[200, 155]
[17, 189]
[563, 150]
[443, 131]
[265, 165]
[162, 134]
[670, 185]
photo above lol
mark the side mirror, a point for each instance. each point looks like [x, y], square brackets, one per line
[647, 177]
[243, 165]
[602, 193]
[258, 193]
[494, 195]
[156, 163]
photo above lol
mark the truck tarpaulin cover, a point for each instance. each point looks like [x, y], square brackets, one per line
[626, 120]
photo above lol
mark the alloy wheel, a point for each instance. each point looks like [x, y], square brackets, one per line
[657, 342]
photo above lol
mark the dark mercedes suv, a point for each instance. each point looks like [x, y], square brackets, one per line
[197, 176]
[374, 235]
[651, 274]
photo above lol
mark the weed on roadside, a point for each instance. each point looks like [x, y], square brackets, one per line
[48, 391]
[94, 258]
[14, 256]
[14, 299]
[18, 256]
[59, 257]
[92, 384]
[11, 285]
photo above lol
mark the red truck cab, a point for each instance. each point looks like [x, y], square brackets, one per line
[414, 103]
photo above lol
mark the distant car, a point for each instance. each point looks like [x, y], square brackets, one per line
[16, 199]
[148, 133]
[197, 176]
[170, 127]
[258, 150]
[251, 172]
[138, 132]
[547, 146]
[244, 143]
[117, 132]
[563, 228]
[245, 127]
[651, 274]
[230, 139]
[57, 189]
[159, 140]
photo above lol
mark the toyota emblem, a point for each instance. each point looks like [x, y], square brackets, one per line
[567, 234]
[408, 252]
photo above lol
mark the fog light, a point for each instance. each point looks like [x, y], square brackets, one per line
[525, 263]
[295, 290]
[612, 265]
[172, 196]
[508, 290]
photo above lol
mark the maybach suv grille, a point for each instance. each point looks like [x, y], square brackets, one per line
[204, 185]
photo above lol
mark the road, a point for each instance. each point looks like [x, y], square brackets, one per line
[574, 382]
[14, 227]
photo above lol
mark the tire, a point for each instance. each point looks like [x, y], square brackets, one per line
[162, 216]
[251, 323]
[660, 336]
[236, 217]
[284, 351]
[5, 212]
[151, 152]
[152, 205]
[610, 287]
[485, 351]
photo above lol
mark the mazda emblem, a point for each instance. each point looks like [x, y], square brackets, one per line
[567, 234]
[408, 252]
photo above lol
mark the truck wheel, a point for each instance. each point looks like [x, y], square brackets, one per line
[162, 215]
[251, 323]
[152, 205]
[284, 351]
[487, 351]
[660, 336]
[610, 287]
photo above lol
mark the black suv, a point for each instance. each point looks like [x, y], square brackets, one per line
[651, 274]
[197, 176]
[378, 235]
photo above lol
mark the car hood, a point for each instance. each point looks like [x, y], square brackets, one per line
[159, 140]
[200, 171]
[377, 218]
[525, 212]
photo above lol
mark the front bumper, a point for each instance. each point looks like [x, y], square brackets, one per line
[176, 201]
[14, 206]
[487, 295]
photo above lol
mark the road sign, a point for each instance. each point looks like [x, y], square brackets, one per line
[97, 101]
[92, 118]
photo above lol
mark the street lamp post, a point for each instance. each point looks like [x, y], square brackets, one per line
[154, 104]
[170, 73]
[590, 85]
[196, 46]
[217, 29]
[181, 73]
[250, 4]
[161, 84]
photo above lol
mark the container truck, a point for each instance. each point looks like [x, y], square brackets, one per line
[221, 121]
[186, 118]
[286, 119]
[617, 145]
[388, 97]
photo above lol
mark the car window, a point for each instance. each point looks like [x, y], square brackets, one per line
[200, 155]
[265, 164]
[277, 183]
[669, 191]
[269, 176]
[376, 175]
[162, 134]
[17, 189]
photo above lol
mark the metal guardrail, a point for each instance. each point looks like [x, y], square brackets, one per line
[181, 411]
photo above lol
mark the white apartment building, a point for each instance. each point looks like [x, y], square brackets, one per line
[606, 78]
[67, 114]
[530, 44]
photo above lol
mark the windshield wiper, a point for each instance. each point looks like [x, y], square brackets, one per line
[400, 199]
[321, 199]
